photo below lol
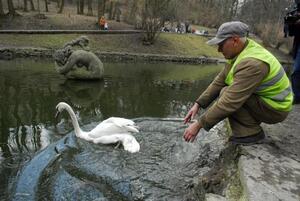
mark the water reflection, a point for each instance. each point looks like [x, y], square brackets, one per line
[31, 89]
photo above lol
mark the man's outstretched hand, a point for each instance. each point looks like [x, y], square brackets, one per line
[192, 113]
[192, 131]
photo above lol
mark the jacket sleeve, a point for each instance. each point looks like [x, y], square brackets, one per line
[247, 77]
[213, 90]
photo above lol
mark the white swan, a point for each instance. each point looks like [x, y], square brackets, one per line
[112, 130]
[113, 125]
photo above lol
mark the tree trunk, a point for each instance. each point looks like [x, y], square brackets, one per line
[31, 5]
[25, 9]
[116, 7]
[101, 8]
[11, 8]
[111, 8]
[46, 6]
[61, 7]
[1, 9]
[90, 8]
[38, 5]
[81, 7]
[133, 10]
[78, 5]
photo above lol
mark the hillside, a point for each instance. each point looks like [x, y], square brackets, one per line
[167, 43]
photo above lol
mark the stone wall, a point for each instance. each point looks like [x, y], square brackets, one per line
[12, 53]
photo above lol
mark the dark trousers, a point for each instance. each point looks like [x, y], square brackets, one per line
[296, 76]
[246, 120]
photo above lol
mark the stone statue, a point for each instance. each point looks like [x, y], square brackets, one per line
[78, 63]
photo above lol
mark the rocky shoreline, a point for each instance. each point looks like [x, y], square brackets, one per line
[8, 53]
[268, 171]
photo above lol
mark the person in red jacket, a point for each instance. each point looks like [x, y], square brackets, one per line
[102, 22]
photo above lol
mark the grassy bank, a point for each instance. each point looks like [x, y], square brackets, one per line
[167, 43]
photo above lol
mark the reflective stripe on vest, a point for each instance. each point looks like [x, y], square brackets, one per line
[275, 89]
[273, 81]
[282, 95]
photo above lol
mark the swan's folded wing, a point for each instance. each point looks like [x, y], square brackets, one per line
[110, 128]
[107, 139]
[119, 121]
[126, 125]
[128, 141]
[106, 129]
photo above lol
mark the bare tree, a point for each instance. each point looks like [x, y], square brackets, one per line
[1, 9]
[133, 8]
[267, 20]
[77, 6]
[11, 8]
[111, 9]
[25, 8]
[31, 5]
[90, 8]
[46, 6]
[152, 15]
[101, 8]
[61, 6]
[38, 5]
[117, 12]
[80, 7]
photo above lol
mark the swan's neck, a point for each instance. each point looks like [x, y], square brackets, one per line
[75, 123]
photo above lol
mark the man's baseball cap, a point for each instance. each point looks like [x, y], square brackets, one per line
[229, 29]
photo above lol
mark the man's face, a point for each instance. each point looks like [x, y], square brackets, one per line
[227, 47]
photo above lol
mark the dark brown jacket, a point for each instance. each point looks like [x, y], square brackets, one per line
[248, 75]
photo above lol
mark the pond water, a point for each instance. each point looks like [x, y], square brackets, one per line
[30, 90]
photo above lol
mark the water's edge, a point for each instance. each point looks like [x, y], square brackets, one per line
[8, 53]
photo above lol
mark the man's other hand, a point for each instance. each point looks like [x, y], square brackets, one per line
[192, 113]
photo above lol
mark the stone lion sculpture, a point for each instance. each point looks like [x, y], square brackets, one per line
[78, 63]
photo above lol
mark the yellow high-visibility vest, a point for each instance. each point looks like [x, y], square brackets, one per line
[275, 89]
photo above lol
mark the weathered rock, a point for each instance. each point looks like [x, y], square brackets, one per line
[214, 197]
[266, 174]
[164, 169]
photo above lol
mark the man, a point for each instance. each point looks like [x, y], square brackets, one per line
[251, 88]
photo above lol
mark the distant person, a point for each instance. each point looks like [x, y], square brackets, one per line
[106, 26]
[252, 88]
[178, 27]
[187, 27]
[102, 22]
[165, 29]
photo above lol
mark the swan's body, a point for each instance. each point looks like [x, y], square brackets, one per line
[112, 130]
[113, 125]
[128, 141]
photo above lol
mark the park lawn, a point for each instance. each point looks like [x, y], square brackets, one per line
[167, 43]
